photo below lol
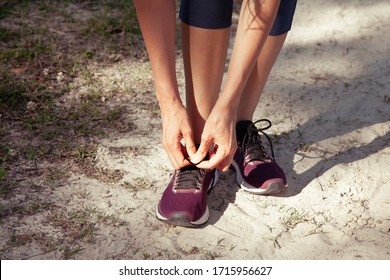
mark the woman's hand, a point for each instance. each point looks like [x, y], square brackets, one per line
[219, 133]
[176, 127]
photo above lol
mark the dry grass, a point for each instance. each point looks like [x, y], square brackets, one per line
[69, 71]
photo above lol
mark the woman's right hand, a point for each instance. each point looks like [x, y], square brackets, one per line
[176, 127]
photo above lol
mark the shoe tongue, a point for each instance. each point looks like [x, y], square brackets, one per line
[241, 130]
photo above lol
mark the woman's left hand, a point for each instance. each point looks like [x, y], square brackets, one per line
[219, 133]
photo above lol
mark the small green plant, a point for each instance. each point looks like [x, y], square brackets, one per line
[35, 207]
[8, 8]
[3, 172]
[5, 187]
[70, 252]
[114, 115]
[33, 153]
[11, 89]
[146, 256]
[83, 152]
[293, 218]
[219, 242]
[5, 154]
[274, 240]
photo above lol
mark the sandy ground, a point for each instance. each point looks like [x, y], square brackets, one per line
[329, 100]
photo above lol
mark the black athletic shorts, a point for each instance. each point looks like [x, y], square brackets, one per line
[216, 14]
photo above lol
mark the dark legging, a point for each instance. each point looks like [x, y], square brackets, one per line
[216, 14]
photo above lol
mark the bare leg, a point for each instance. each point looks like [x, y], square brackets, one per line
[258, 77]
[157, 19]
[204, 55]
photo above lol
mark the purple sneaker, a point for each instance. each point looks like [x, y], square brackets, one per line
[256, 171]
[183, 202]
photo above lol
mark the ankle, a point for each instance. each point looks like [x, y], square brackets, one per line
[241, 129]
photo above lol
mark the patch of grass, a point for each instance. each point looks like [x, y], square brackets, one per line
[78, 224]
[115, 24]
[7, 35]
[4, 155]
[138, 183]
[83, 152]
[109, 219]
[274, 240]
[109, 175]
[29, 208]
[69, 252]
[114, 114]
[5, 188]
[90, 109]
[53, 124]
[132, 150]
[16, 240]
[13, 7]
[294, 217]
[25, 51]
[77, 227]
[116, 17]
[35, 207]
[17, 91]
[33, 153]
[89, 54]
[55, 175]
[4, 152]
[11, 90]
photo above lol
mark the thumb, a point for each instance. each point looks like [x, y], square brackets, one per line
[201, 153]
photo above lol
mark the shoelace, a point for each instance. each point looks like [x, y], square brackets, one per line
[252, 144]
[188, 178]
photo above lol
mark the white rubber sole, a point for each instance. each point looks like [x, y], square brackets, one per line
[274, 186]
[180, 219]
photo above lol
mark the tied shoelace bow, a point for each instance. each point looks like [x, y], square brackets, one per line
[252, 144]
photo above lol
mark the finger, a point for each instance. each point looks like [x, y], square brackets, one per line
[173, 161]
[215, 159]
[186, 160]
[225, 164]
[180, 157]
[189, 145]
[210, 164]
[176, 156]
[201, 153]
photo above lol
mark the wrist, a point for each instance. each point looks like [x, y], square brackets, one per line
[228, 102]
[168, 99]
[226, 109]
[170, 107]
